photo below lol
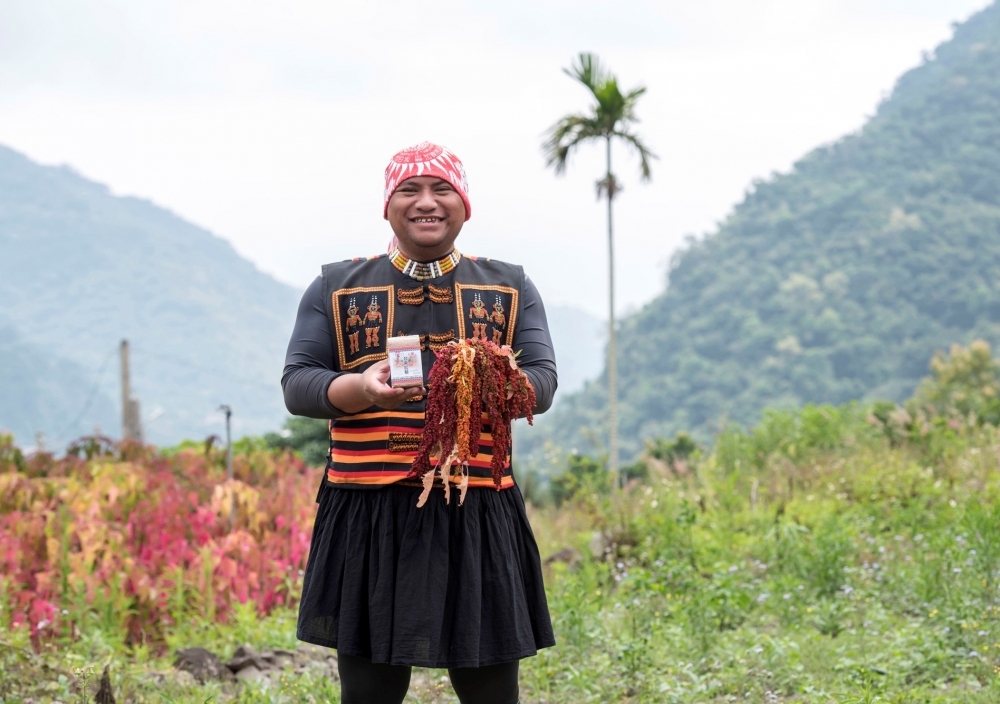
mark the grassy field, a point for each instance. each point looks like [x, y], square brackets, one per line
[856, 573]
[827, 555]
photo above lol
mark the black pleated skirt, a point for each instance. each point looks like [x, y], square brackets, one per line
[439, 586]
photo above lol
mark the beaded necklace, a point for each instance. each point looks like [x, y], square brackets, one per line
[424, 270]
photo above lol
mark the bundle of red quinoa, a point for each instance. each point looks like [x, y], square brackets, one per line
[470, 378]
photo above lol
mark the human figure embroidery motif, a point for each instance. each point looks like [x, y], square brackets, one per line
[479, 317]
[353, 321]
[373, 322]
[499, 320]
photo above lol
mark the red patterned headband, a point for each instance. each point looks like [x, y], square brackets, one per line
[426, 159]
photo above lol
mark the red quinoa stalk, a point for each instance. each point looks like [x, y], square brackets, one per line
[468, 378]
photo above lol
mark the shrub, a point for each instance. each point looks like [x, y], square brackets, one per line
[310, 437]
[964, 383]
[582, 475]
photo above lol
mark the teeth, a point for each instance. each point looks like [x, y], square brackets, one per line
[427, 219]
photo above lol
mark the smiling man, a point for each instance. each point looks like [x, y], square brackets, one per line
[390, 585]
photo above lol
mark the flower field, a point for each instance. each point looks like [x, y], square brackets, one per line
[131, 542]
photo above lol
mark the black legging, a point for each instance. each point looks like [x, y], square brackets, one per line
[364, 682]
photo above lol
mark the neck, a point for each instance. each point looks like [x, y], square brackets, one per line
[425, 254]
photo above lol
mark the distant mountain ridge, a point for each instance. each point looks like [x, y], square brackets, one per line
[80, 269]
[38, 389]
[833, 282]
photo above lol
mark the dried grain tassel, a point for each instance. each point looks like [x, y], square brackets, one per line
[446, 483]
[470, 380]
[463, 486]
[481, 369]
[463, 378]
[438, 437]
[508, 352]
[428, 485]
[445, 470]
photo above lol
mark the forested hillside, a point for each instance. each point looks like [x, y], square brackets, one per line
[80, 269]
[835, 281]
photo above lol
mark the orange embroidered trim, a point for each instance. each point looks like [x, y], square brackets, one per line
[440, 295]
[410, 296]
[416, 296]
[439, 341]
[434, 341]
[404, 442]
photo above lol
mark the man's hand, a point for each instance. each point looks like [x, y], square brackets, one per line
[378, 392]
[352, 393]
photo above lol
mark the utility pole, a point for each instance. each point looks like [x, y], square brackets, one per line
[131, 422]
[229, 465]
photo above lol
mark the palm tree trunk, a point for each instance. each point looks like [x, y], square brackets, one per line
[612, 341]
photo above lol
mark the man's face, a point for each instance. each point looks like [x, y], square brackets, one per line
[426, 214]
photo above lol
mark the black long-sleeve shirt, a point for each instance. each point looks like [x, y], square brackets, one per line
[309, 362]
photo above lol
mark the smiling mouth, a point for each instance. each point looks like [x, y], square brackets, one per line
[426, 221]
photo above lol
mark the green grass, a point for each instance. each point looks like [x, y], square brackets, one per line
[811, 560]
[858, 573]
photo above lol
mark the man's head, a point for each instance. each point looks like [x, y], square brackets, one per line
[426, 200]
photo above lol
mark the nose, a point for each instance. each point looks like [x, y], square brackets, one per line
[426, 200]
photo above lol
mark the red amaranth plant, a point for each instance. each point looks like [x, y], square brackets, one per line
[468, 378]
[143, 538]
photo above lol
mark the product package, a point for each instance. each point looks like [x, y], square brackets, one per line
[405, 368]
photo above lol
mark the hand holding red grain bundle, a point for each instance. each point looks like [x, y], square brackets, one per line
[468, 378]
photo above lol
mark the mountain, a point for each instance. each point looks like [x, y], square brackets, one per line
[835, 281]
[81, 269]
[40, 391]
[579, 339]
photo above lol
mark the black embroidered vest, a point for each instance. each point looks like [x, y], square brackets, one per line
[369, 300]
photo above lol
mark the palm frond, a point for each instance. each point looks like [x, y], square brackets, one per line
[610, 117]
[588, 70]
[630, 99]
[645, 153]
[634, 94]
[565, 136]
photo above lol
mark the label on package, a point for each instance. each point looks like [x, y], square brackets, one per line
[405, 367]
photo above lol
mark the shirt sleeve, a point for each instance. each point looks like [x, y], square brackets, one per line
[309, 360]
[534, 343]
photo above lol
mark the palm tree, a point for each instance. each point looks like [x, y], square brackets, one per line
[610, 118]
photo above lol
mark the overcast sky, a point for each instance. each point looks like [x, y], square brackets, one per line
[271, 123]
